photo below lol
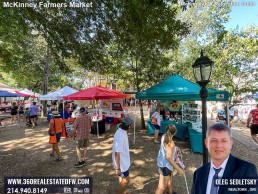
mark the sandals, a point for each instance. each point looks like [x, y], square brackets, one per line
[156, 141]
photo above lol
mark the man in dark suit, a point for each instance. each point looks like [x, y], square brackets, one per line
[219, 143]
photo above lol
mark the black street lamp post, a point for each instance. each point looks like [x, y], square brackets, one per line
[202, 69]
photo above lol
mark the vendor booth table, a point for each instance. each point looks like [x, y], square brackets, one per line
[180, 133]
[101, 127]
[195, 139]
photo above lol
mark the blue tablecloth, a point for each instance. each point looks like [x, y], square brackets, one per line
[181, 128]
[195, 139]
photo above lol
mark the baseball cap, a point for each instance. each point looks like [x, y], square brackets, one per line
[127, 121]
[82, 109]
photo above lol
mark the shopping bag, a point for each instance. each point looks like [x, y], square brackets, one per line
[179, 158]
[52, 139]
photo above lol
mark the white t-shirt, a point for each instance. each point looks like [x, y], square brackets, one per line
[232, 111]
[121, 145]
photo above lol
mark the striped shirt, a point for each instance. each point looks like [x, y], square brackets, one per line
[82, 125]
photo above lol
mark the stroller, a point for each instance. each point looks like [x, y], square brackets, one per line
[28, 123]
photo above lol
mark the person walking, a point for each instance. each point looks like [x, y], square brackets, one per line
[156, 122]
[82, 125]
[14, 112]
[56, 126]
[121, 154]
[166, 161]
[34, 114]
[253, 119]
[223, 164]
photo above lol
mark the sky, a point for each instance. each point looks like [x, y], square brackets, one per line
[243, 14]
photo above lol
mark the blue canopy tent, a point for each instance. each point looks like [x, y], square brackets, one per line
[9, 94]
[179, 88]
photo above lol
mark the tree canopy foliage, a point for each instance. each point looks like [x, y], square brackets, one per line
[138, 42]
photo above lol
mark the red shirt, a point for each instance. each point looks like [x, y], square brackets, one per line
[254, 115]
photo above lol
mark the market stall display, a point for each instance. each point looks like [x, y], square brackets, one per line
[180, 133]
[176, 88]
[191, 112]
[96, 93]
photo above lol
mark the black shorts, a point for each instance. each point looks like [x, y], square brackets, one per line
[164, 171]
[254, 129]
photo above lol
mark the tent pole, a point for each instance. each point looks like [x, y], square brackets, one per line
[98, 127]
[97, 120]
[63, 109]
[228, 114]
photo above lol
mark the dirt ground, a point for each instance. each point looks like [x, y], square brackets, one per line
[25, 152]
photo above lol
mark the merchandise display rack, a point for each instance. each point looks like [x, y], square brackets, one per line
[192, 113]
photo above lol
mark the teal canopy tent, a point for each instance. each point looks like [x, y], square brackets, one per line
[179, 88]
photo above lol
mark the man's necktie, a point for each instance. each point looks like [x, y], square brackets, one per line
[214, 187]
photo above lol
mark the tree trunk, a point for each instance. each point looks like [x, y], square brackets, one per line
[45, 89]
[138, 89]
[142, 116]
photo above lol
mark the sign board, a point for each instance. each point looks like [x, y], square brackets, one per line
[69, 126]
[117, 106]
[219, 96]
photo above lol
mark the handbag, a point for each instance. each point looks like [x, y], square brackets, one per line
[52, 137]
[179, 158]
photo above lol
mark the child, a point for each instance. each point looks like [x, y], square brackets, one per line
[27, 115]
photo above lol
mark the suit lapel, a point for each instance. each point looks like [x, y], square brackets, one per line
[205, 176]
[228, 170]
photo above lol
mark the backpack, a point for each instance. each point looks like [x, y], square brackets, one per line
[255, 116]
[179, 158]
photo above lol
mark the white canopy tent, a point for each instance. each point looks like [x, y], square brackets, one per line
[58, 95]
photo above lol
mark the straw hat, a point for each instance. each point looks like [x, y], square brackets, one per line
[55, 114]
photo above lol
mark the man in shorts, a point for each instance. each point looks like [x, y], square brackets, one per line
[121, 154]
[82, 125]
[34, 114]
[253, 119]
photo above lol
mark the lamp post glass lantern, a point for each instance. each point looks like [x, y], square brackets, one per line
[202, 69]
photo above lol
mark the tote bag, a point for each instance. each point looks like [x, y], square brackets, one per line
[52, 137]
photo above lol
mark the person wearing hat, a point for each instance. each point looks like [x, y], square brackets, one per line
[82, 125]
[56, 126]
[121, 154]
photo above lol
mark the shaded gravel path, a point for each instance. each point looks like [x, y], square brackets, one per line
[25, 152]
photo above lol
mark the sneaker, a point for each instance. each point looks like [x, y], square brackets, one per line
[52, 154]
[59, 159]
[79, 164]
